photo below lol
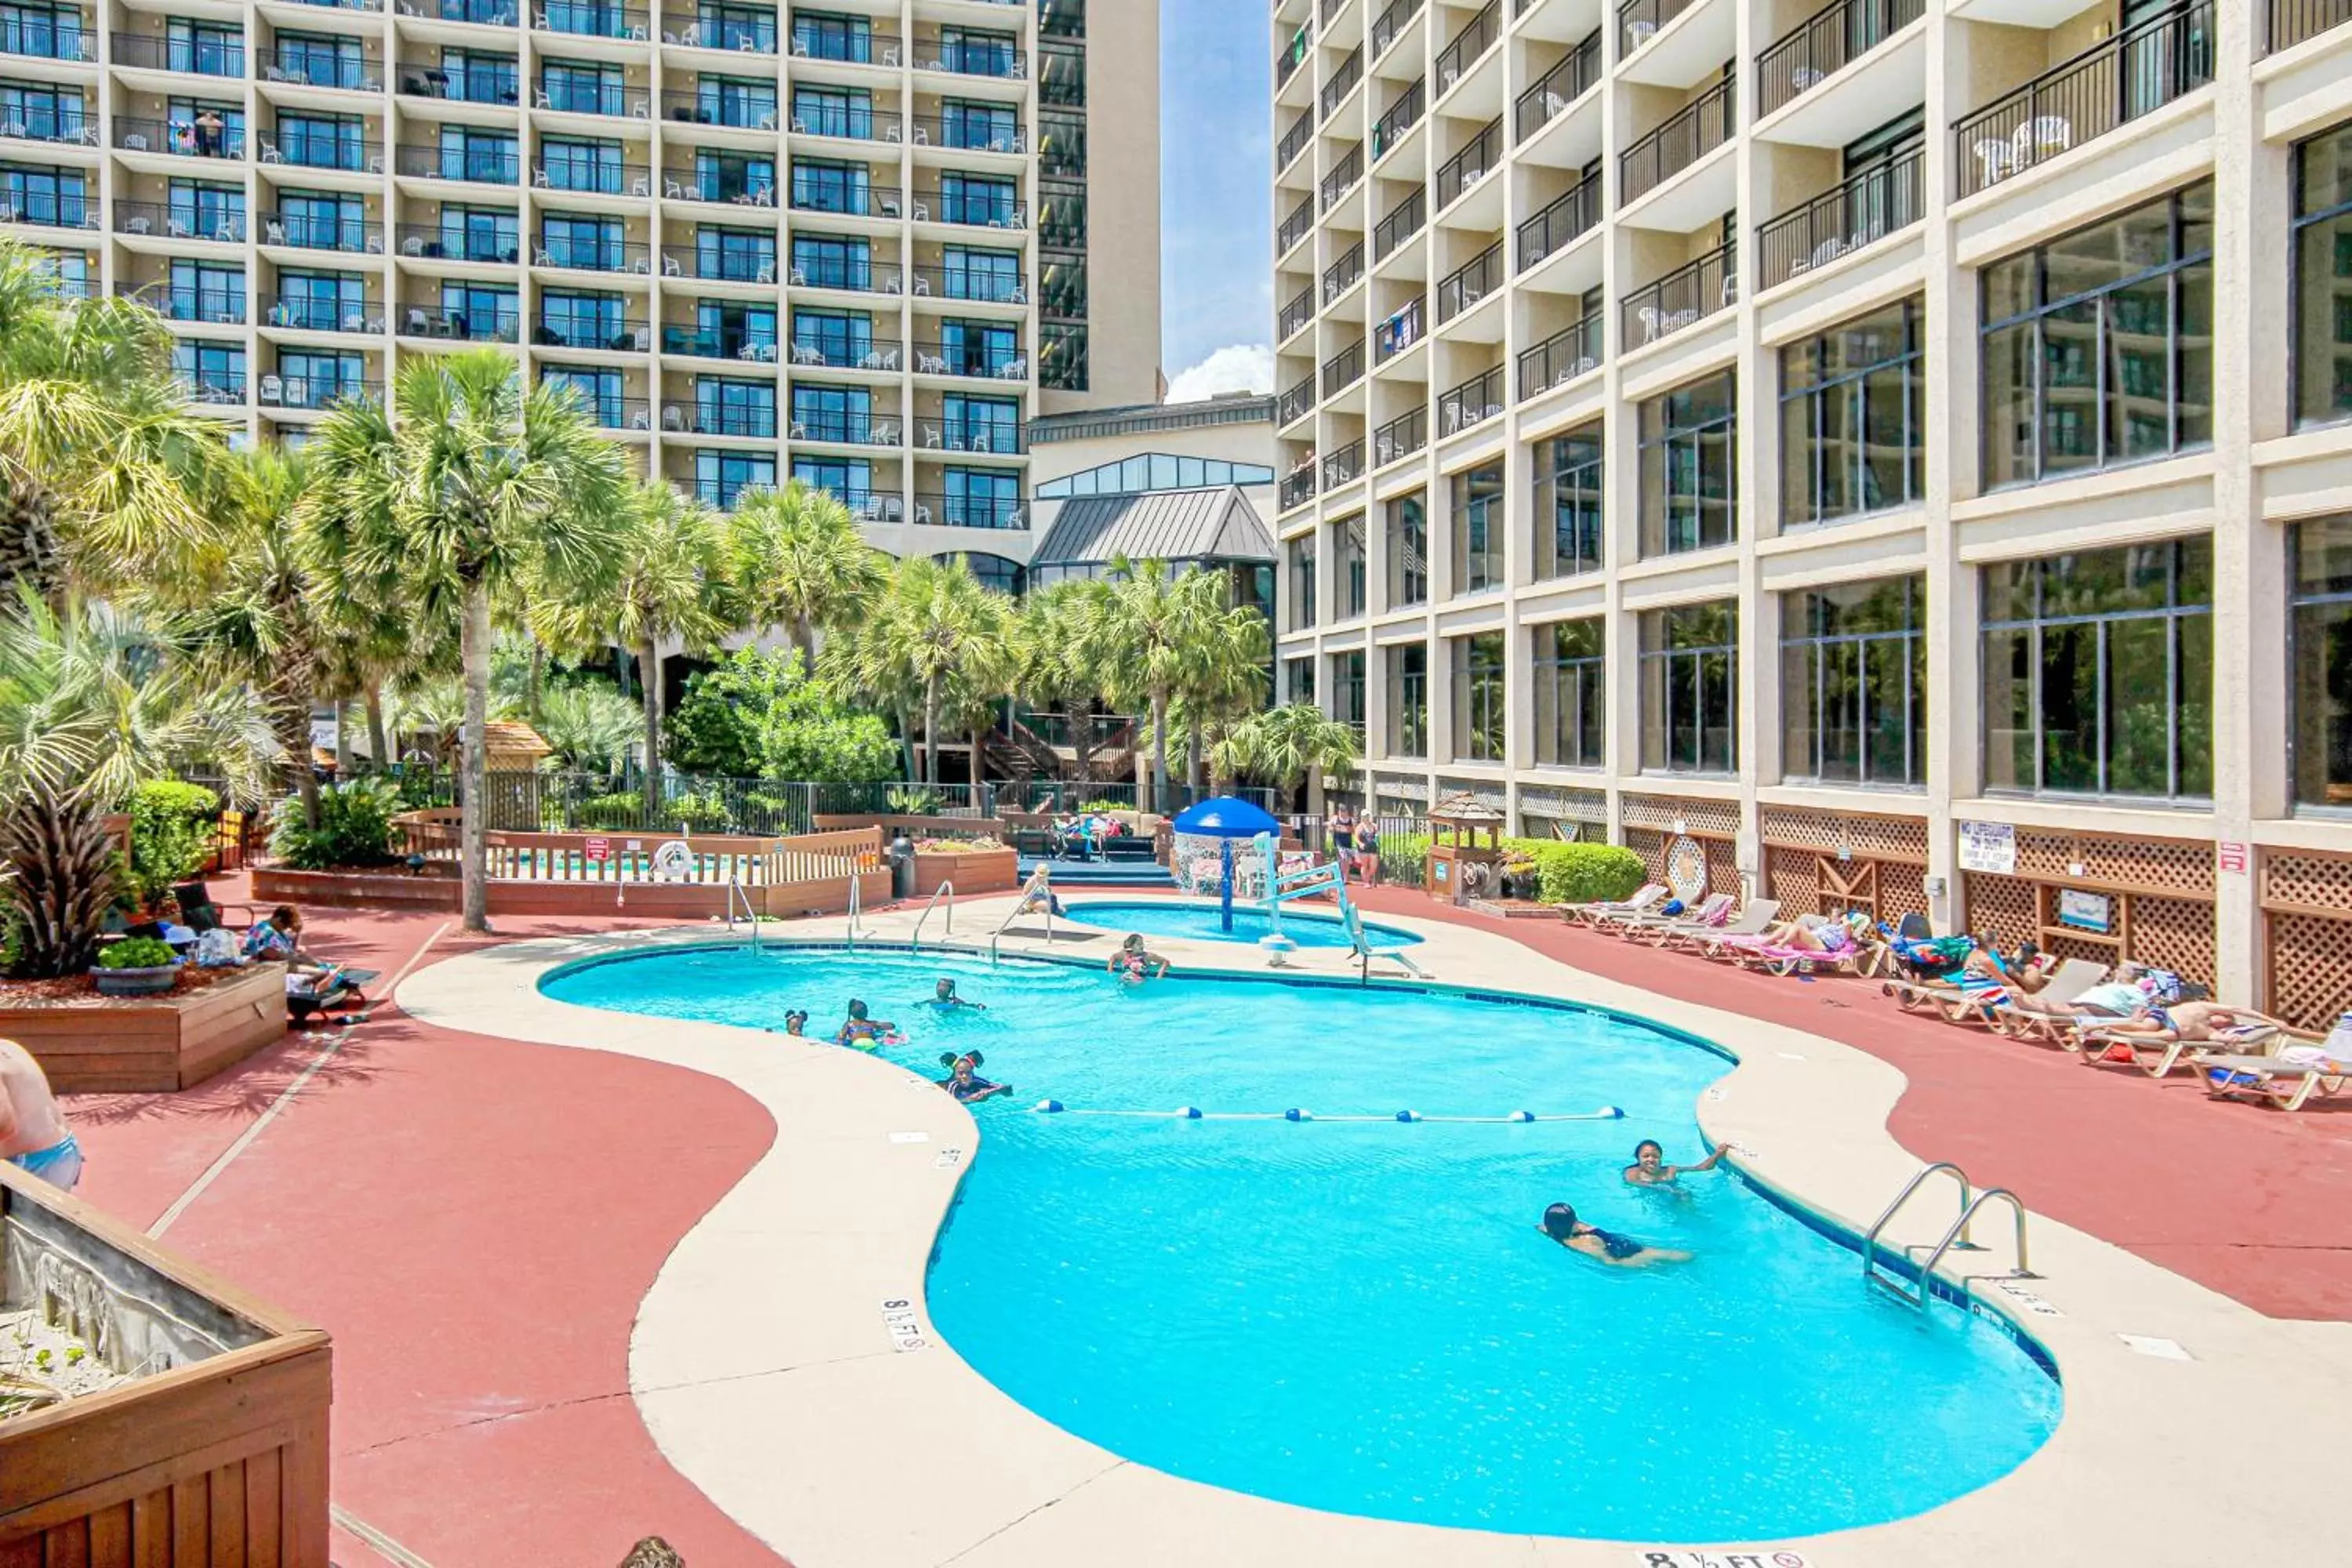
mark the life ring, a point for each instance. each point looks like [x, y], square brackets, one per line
[674, 861]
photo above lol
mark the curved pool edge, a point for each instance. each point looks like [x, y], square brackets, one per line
[763, 1351]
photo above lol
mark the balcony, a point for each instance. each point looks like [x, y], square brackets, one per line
[1343, 368]
[1696, 129]
[1571, 214]
[216, 388]
[1476, 36]
[1343, 176]
[1342, 80]
[1470, 283]
[1296, 402]
[975, 361]
[592, 177]
[939, 509]
[178, 138]
[729, 108]
[972, 209]
[51, 36]
[589, 20]
[1400, 329]
[1400, 117]
[719, 264]
[847, 277]
[2136, 71]
[50, 209]
[460, 242]
[610, 99]
[346, 154]
[186, 221]
[962, 134]
[971, 57]
[322, 313]
[592, 254]
[186, 57]
[317, 68]
[1297, 487]
[1578, 72]
[1391, 22]
[1474, 401]
[201, 303]
[810, 42]
[2295, 21]
[737, 344]
[1560, 358]
[754, 422]
[991, 437]
[317, 392]
[739, 187]
[1342, 274]
[1294, 228]
[488, 85]
[1638, 21]
[481, 13]
[1294, 55]
[618, 412]
[977, 286]
[1294, 141]
[1682, 297]
[593, 330]
[475, 165]
[1403, 221]
[1401, 437]
[1296, 314]
[1344, 466]
[500, 322]
[1861, 212]
[69, 124]
[1825, 44]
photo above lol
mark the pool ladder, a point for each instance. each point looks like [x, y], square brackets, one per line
[997, 935]
[944, 890]
[1957, 1236]
[738, 893]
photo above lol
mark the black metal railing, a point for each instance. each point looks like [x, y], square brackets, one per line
[619, 413]
[742, 346]
[493, 245]
[1297, 487]
[1688, 294]
[956, 134]
[1343, 368]
[1866, 208]
[591, 19]
[1400, 117]
[1005, 363]
[992, 206]
[499, 322]
[2116, 80]
[1470, 165]
[1296, 314]
[1293, 54]
[720, 264]
[50, 209]
[971, 285]
[482, 13]
[1343, 80]
[215, 387]
[180, 137]
[1294, 141]
[1402, 222]
[1476, 36]
[1341, 275]
[68, 122]
[1696, 129]
[737, 187]
[1298, 400]
[298, 148]
[809, 42]
[951, 511]
[592, 254]
[576, 96]
[190, 57]
[1391, 22]
[316, 391]
[847, 427]
[590, 329]
[596, 178]
[1400, 328]
[1294, 228]
[316, 68]
[1578, 72]
[1343, 176]
[306, 231]
[969, 57]
[1572, 213]
[2294, 21]
[1401, 437]
[754, 420]
[39, 35]
[1477, 399]
[1638, 21]
[987, 436]
[496, 86]
[1561, 357]
[1470, 283]
[1344, 465]
[210, 305]
[322, 313]
[1826, 43]
[741, 111]
[184, 222]
[848, 275]
[479, 165]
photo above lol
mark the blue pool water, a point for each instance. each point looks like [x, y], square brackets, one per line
[1363, 1317]
[1172, 917]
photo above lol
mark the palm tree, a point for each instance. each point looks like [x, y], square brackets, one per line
[672, 584]
[1226, 682]
[91, 705]
[800, 562]
[466, 488]
[1051, 669]
[590, 725]
[1289, 746]
[1144, 632]
[940, 620]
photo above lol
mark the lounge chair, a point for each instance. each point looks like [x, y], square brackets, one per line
[2285, 1082]
[307, 994]
[1715, 909]
[1646, 897]
[1713, 914]
[199, 913]
[2073, 976]
[2157, 1054]
[1747, 924]
[1365, 952]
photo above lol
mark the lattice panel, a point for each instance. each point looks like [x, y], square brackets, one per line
[1791, 877]
[1718, 818]
[2309, 969]
[1566, 804]
[1652, 848]
[1900, 891]
[1876, 837]
[2316, 882]
[1491, 796]
[2000, 906]
[1723, 870]
[2172, 865]
[2175, 934]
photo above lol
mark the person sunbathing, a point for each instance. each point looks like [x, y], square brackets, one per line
[2197, 1023]
[2133, 991]
[1827, 934]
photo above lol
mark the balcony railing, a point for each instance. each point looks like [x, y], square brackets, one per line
[1296, 313]
[739, 112]
[1476, 400]
[178, 137]
[965, 359]
[1400, 329]
[1297, 487]
[1696, 129]
[983, 208]
[1401, 437]
[744, 347]
[1572, 213]
[619, 413]
[1391, 22]
[756, 421]
[1294, 141]
[305, 231]
[1684, 296]
[971, 57]
[1471, 164]
[847, 201]
[1343, 368]
[215, 307]
[1294, 228]
[312, 392]
[719, 264]
[945, 509]
[2294, 21]
[1865, 209]
[216, 388]
[1476, 36]
[1402, 222]
[479, 322]
[596, 178]
[810, 42]
[610, 98]
[478, 165]
[51, 209]
[589, 20]
[39, 35]
[1344, 465]
[1826, 43]
[189, 57]
[590, 329]
[1638, 21]
[314, 67]
[992, 437]
[306, 150]
[1577, 73]
[970, 133]
[483, 85]
[1298, 400]
[592, 254]
[971, 285]
[482, 13]
[1341, 275]
[846, 276]
[1470, 283]
[71, 123]
[1401, 116]
[182, 222]
[740, 188]
[1561, 357]
[1343, 80]
[1293, 54]
[322, 313]
[1343, 176]
[456, 242]
[2140, 70]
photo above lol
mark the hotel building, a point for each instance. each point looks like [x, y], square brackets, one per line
[1892, 454]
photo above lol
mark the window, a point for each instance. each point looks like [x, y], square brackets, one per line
[748, 105]
[1478, 529]
[1570, 698]
[581, 87]
[203, 48]
[201, 291]
[1155, 471]
[1347, 568]
[980, 127]
[726, 407]
[823, 263]
[1690, 666]
[1853, 409]
[1568, 504]
[46, 32]
[480, 234]
[978, 348]
[206, 211]
[584, 166]
[831, 413]
[820, 35]
[316, 379]
[849, 480]
[479, 312]
[994, 572]
[1347, 689]
[2098, 347]
[739, 256]
[319, 221]
[581, 321]
[42, 112]
[1298, 564]
[721, 478]
[2099, 672]
[2321, 662]
[738, 29]
[322, 60]
[594, 243]
[980, 498]
[2323, 278]
[1688, 490]
[598, 389]
[216, 371]
[976, 53]
[1409, 700]
[320, 301]
[54, 197]
[324, 141]
[836, 337]
[831, 187]
[995, 275]
[1479, 712]
[968, 198]
[1298, 679]
[476, 77]
[980, 424]
[486, 156]
[816, 111]
[725, 329]
[1853, 683]
[1408, 552]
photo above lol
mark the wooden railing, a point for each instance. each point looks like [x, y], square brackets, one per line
[627, 857]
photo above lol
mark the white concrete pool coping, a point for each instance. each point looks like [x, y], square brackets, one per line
[846, 1435]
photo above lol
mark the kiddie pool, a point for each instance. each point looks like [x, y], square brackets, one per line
[1183, 917]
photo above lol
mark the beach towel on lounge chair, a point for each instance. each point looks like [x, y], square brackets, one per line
[1644, 898]
[1711, 915]
[2287, 1080]
[1746, 926]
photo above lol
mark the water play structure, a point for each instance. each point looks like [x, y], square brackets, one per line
[1208, 856]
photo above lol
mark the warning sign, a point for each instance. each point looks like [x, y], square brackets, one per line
[600, 850]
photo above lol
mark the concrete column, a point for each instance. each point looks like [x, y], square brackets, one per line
[1947, 328]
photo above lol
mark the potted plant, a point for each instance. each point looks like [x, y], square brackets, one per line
[136, 966]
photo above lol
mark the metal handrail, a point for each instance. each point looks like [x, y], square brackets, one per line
[997, 935]
[946, 889]
[736, 890]
[855, 906]
[1956, 1237]
[1870, 1237]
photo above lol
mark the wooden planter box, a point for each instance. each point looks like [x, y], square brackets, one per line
[216, 1459]
[150, 1043]
[357, 890]
[971, 870]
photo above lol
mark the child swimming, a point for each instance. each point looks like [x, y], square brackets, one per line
[963, 1081]
[1649, 1168]
[1133, 963]
[797, 1022]
[863, 1033]
[1560, 1224]
[944, 997]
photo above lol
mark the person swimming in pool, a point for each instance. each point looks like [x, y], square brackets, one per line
[1650, 1168]
[944, 997]
[964, 1082]
[862, 1032]
[1134, 963]
[797, 1022]
[1560, 1224]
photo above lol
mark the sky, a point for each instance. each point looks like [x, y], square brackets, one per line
[1216, 180]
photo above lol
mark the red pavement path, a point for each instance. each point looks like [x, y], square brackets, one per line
[2243, 1199]
[475, 1221]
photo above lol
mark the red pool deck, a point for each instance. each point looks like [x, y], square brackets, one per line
[476, 1220]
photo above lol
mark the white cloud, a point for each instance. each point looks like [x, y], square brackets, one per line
[1241, 367]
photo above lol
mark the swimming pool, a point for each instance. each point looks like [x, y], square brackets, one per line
[1176, 917]
[1361, 1317]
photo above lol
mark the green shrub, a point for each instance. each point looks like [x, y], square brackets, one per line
[626, 809]
[1579, 873]
[171, 834]
[354, 827]
[694, 812]
[1402, 858]
[913, 800]
[136, 952]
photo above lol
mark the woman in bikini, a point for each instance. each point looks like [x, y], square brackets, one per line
[1560, 1224]
[1134, 963]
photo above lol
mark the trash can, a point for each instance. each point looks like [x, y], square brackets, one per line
[901, 854]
